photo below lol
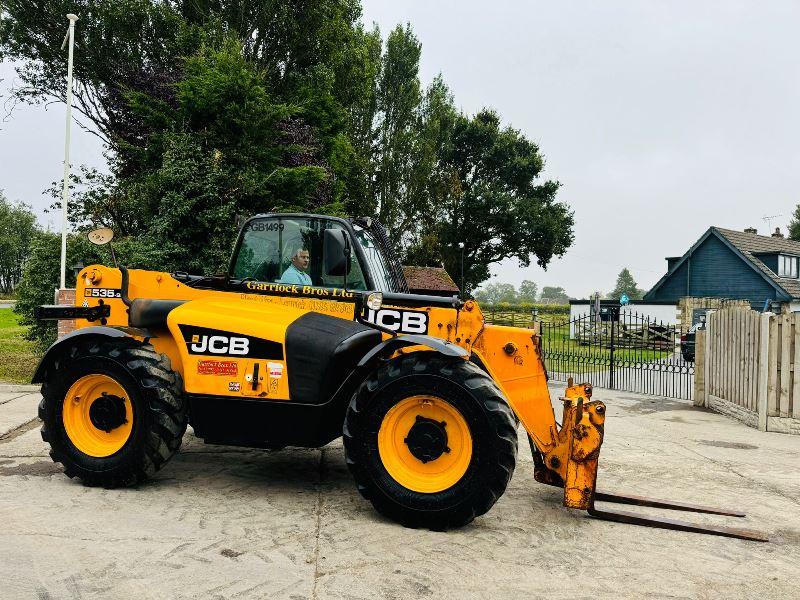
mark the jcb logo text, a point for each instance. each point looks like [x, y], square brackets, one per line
[402, 321]
[219, 344]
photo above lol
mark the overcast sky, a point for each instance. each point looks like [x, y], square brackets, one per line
[659, 118]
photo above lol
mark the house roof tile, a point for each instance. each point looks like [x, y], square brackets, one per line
[429, 278]
[751, 244]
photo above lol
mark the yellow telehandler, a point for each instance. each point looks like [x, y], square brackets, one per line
[313, 334]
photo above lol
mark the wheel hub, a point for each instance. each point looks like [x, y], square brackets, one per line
[427, 439]
[107, 412]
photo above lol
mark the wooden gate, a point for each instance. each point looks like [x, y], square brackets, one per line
[751, 368]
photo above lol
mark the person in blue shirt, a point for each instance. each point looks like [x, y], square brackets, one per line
[296, 273]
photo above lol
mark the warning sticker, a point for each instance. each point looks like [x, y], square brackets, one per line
[217, 367]
[234, 386]
[275, 370]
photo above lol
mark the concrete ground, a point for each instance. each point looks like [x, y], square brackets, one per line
[222, 522]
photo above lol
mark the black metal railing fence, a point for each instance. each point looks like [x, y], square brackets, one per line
[619, 350]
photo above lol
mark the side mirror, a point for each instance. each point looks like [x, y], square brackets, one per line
[101, 237]
[336, 251]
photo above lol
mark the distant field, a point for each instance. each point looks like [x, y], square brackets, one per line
[17, 356]
[566, 355]
[522, 316]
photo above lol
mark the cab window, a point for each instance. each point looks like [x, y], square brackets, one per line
[290, 250]
[375, 259]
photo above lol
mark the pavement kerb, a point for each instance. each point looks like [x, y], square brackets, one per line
[17, 387]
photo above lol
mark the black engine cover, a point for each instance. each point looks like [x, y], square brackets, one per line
[321, 351]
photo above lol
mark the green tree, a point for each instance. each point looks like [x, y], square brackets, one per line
[495, 293]
[554, 295]
[17, 229]
[308, 54]
[794, 225]
[215, 109]
[397, 131]
[489, 198]
[223, 147]
[362, 106]
[528, 291]
[626, 285]
[430, 180]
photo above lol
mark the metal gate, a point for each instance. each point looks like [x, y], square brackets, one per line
[626, 351]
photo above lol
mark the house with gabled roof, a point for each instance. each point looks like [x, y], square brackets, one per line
[724, 263]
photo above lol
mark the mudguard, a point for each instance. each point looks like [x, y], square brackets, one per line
[384, 350]
[84, 333]
[390, 346]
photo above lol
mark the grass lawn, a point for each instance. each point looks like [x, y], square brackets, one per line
[17, 356]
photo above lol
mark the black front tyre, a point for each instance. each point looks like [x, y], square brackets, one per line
[113, 411]
[430, 441]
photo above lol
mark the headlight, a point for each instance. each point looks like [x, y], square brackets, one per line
[375, 300]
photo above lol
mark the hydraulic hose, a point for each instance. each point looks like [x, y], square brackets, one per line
[123, 292]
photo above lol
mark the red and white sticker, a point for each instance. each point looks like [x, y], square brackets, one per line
[275, 370]
[217, 367]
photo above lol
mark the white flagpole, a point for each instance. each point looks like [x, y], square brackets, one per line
[65, 196]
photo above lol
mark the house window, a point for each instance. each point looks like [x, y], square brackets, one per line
[787, 266]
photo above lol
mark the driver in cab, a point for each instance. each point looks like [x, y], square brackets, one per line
[296, 273]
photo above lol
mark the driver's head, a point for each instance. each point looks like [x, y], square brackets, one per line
[300, 259]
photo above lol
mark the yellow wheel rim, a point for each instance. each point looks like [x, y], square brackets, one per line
[411, 472]
[81, 421]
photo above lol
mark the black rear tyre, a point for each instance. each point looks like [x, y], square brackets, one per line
[154, 412]
[472, 400]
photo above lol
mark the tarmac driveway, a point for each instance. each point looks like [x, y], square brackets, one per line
[223, 522]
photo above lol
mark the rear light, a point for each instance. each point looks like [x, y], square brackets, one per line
[683, 338]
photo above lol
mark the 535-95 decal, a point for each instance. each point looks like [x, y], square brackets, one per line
[102, 293]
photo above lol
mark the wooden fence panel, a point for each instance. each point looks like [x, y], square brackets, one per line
[774, 357]
[796, 369]
[754, 326]
[733, 356]
[785, 375]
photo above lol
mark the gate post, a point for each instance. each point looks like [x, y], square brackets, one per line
[700, 367]
[763, 371]
[611, 355]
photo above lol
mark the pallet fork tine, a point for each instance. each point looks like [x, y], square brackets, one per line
[633, 518]
[667, 504]
[580, 439]
[675, 524]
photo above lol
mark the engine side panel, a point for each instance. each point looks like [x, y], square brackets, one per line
[231, 348]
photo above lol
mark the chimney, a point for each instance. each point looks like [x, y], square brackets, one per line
[777, 233]
[752, 230]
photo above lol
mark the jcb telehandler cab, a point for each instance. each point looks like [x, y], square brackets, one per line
[311, 335]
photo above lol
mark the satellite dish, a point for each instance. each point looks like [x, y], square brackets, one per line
[100, 237]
